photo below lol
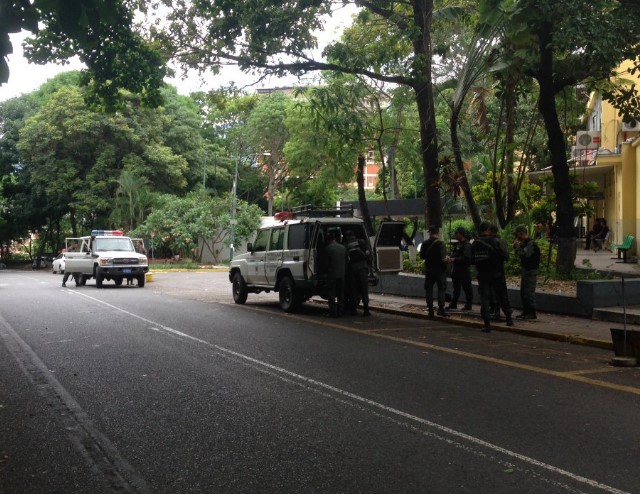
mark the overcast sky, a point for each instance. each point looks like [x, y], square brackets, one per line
[25, 77]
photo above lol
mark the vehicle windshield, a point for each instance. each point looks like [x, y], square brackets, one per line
[115, 243]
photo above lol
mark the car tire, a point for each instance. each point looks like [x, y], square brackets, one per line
[99, 279]
[118, 281]
[239, 288]
[83, 279]
[289, 298]
[141, 280]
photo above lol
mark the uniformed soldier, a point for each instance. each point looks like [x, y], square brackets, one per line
[357, 273]
[337, 258]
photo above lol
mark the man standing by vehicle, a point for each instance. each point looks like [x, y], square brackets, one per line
[337, 259]
[432, 251]
[72, 248]
[529, 253]
[488, 256]
[460, 259]
[357, 273]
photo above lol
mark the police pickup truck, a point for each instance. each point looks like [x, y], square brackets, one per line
[105, 255]
[288, 257]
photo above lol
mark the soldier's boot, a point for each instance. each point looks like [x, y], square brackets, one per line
[366, 310]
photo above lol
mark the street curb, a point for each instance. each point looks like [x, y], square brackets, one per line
[561, 337]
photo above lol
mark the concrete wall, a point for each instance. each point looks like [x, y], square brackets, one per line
[590, 294]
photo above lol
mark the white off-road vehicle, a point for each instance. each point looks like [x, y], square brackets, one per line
[288, 255]
[106, 255]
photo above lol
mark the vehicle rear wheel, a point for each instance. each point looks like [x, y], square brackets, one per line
[141, 280]
[240, 292]
[99, 279]
[289, 298]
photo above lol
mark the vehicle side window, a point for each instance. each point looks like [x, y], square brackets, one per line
[262, 239]
[390, 235]
[277, 239]
[299, 236]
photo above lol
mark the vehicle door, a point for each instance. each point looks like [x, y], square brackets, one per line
[274, 255]
[386, 251]
[299, 254]
[78, 255]
[139, 247]
[256, 274]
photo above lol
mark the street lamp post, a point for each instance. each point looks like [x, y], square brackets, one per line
[234, 205]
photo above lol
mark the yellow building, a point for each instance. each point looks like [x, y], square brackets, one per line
[613, 166]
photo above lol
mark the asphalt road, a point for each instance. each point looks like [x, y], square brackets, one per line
[173, 388]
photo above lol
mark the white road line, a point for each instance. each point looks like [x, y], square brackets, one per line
[279, 371]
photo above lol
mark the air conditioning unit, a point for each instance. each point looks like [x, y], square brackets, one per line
[632, 126]
[588, 139]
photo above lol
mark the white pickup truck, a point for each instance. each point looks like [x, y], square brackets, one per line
[105, 255]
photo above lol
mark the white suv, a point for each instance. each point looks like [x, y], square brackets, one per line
[288, 256]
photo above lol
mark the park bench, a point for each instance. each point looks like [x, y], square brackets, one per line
[624, 247]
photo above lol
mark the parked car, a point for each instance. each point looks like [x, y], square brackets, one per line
[57, 266]
[287, 256]
[42, 262]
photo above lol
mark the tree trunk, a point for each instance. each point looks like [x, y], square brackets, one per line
[362, 198]
[565, 231]
[423, 15]
[464, 182]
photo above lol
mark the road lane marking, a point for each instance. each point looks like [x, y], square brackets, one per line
[600, 370]
[90, 442]
[332, 391]
[569, 375]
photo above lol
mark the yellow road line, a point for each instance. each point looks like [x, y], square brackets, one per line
[600, 370]
[568, 375]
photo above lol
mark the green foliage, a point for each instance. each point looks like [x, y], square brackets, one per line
[99, 32]
[267, 132]
[176, 224]
[77, 161]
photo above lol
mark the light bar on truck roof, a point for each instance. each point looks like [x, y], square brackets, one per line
[107, 233]
[284, 216]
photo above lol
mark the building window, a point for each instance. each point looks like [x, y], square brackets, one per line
[371, 156]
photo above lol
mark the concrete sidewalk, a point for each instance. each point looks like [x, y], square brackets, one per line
[556, 327]
[579, 330]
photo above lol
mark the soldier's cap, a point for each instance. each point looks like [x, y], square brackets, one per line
[484, 226]
[461, 230]
[434, 229]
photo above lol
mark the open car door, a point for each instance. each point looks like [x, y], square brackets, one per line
[387, 252]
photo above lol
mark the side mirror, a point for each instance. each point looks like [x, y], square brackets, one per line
[250, 247]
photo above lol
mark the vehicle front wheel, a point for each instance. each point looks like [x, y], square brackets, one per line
[289, 298]
[99, 278]
[141, 280]
[239, 287]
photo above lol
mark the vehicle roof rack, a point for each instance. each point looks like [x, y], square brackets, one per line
[310, 211]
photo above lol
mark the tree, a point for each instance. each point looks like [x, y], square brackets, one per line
[73, 159]
[391, 42]
[177, 224]
[100, 32]
[559, 44]
[267, 132]
[319, 158]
